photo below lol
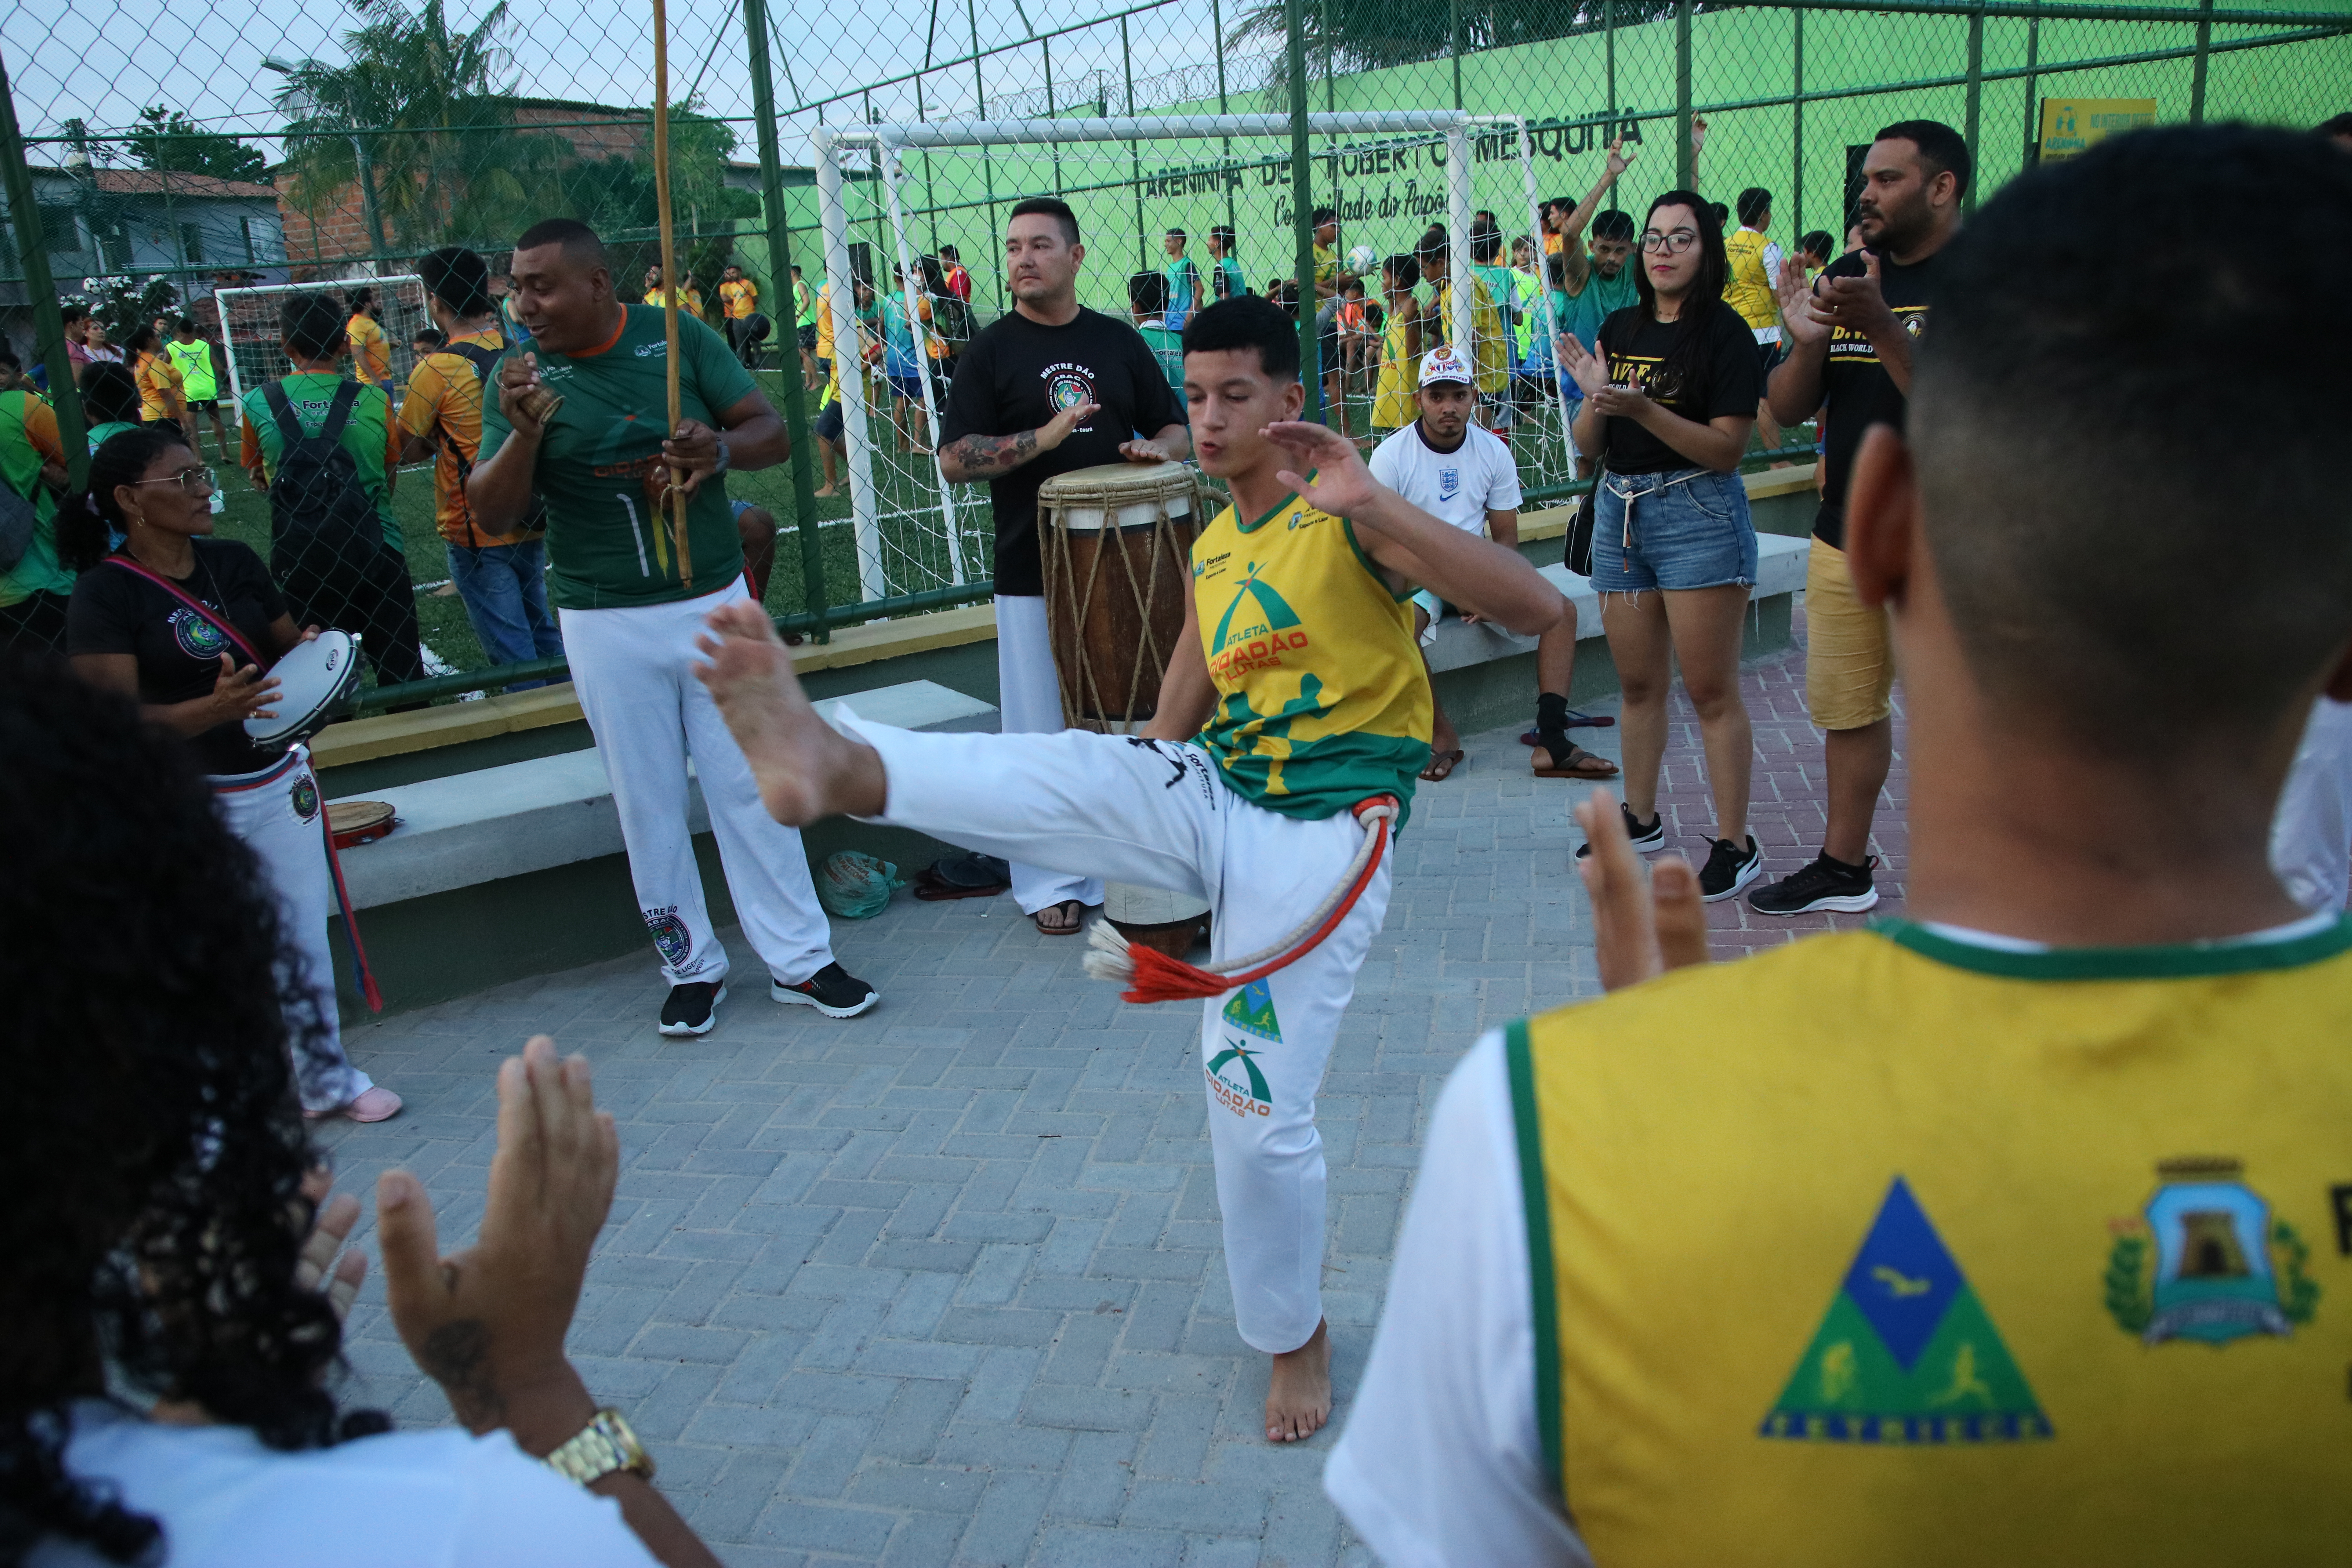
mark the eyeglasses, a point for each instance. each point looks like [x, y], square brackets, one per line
[1672, 244]
[191, 481]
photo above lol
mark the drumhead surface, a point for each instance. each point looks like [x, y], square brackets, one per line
[1115, 495]
[313, 678]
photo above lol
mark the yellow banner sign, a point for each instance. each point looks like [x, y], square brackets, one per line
[2072, 125]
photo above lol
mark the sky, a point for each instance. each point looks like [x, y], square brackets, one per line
[102, 61]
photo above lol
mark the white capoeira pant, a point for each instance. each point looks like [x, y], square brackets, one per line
[1029, 702]
[634, 670]
[2311, 835]
[1159, 813]
[278, 812]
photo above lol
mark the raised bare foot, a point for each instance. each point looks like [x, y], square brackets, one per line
[804, 767]
[1299, 1395]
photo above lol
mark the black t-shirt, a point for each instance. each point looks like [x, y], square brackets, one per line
[1856, 388]
[115, 611]
[1702, 379]
[1016, 375]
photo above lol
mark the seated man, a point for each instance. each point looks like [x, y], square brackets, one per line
[2014, 1232]
[1463, 474]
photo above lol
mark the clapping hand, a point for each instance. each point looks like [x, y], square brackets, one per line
[1587, 369]
[518, 377]
[488, 1323]
[1798, 311]
[1638, 930]
[1858, 304]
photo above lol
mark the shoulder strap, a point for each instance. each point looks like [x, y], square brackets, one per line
[289, 427]
[483, 360]
[198, 605]
[339, 412]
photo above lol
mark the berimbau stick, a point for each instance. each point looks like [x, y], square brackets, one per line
[675, 494]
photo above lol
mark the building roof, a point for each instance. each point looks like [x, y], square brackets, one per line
[158, 181]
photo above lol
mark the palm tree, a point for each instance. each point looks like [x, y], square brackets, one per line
[431, 105]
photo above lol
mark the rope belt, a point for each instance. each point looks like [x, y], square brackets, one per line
[1152, 976]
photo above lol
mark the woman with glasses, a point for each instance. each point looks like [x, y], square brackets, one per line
[176, 619]
[1669, 400]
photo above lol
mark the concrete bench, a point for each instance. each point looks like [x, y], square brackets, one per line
[500, 822]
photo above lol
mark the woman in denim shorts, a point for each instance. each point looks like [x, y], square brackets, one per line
[1669, 400]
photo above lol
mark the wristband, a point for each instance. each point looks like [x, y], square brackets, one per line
[725, 458]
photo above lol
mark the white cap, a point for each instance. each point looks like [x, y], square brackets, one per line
[1440, 364]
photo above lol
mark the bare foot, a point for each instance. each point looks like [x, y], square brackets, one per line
[825, 491]
[804, 767]
[1299, 1395]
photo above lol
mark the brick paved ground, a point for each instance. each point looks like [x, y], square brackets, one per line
[943, 1284]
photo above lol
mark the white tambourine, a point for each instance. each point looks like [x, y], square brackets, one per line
[316, 682]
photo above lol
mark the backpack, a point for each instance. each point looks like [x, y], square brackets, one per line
[318, 511]
[485, 361]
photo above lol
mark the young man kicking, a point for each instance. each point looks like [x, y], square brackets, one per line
[1462, 474]
[1294, 696]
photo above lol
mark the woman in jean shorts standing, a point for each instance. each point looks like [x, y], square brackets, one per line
[1669, 400]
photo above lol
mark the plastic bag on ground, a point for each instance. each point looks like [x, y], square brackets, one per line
[855, 887]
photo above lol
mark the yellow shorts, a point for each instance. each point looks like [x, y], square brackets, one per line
[1848, 658]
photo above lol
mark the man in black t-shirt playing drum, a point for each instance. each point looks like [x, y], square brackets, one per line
[1048, 387]
[1851, 338]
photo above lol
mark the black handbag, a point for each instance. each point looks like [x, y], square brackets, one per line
[1578, 554]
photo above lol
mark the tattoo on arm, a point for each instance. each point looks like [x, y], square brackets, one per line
[985, 456]
[457, 1357]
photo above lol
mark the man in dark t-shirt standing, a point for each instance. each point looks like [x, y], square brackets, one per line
[1851, 337]
[1048, 387]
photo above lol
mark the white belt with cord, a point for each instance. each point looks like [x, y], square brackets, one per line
[1630, 497]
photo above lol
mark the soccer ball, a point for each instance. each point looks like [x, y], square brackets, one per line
[1362, 260]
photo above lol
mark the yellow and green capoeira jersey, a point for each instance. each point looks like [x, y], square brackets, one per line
[1887, 1247]
[1322, 700]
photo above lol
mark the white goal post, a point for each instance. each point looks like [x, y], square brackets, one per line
[249, 329]
[890, 507]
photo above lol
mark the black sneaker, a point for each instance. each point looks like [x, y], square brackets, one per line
[1826, 884]
[1729, 868]
[1645, 838]
[692, 1008]
[832, 991]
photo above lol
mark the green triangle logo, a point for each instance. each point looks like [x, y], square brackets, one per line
[1252, 1010]
[1906, 1353]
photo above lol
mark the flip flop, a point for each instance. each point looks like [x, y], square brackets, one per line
[964, 877]
[1580, 764]
[1442, 766]
[1073, 928]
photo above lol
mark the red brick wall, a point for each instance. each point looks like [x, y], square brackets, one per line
[333, 230]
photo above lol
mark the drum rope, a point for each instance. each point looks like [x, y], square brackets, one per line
[1153, 976]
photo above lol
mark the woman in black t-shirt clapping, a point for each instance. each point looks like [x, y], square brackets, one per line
[182, 622]
[1668, 403]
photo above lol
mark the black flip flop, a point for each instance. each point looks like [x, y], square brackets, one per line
[964, 877]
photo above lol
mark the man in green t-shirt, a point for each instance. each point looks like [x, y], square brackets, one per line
[341, 582]
[632, 587]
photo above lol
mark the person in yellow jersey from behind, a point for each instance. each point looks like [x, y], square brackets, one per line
[192, 356]
[1295, 695]
[371, 350]
[2017, 1231]
[1753, 259]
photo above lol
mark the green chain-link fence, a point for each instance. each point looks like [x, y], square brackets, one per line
[197, 161]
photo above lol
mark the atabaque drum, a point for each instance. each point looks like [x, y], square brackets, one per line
[1116, 543]
[317, 682]
[1117, 546]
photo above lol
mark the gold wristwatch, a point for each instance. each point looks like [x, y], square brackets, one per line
[596, 1450]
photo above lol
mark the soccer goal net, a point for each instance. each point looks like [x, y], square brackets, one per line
[252, 333]
[1175, 212]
